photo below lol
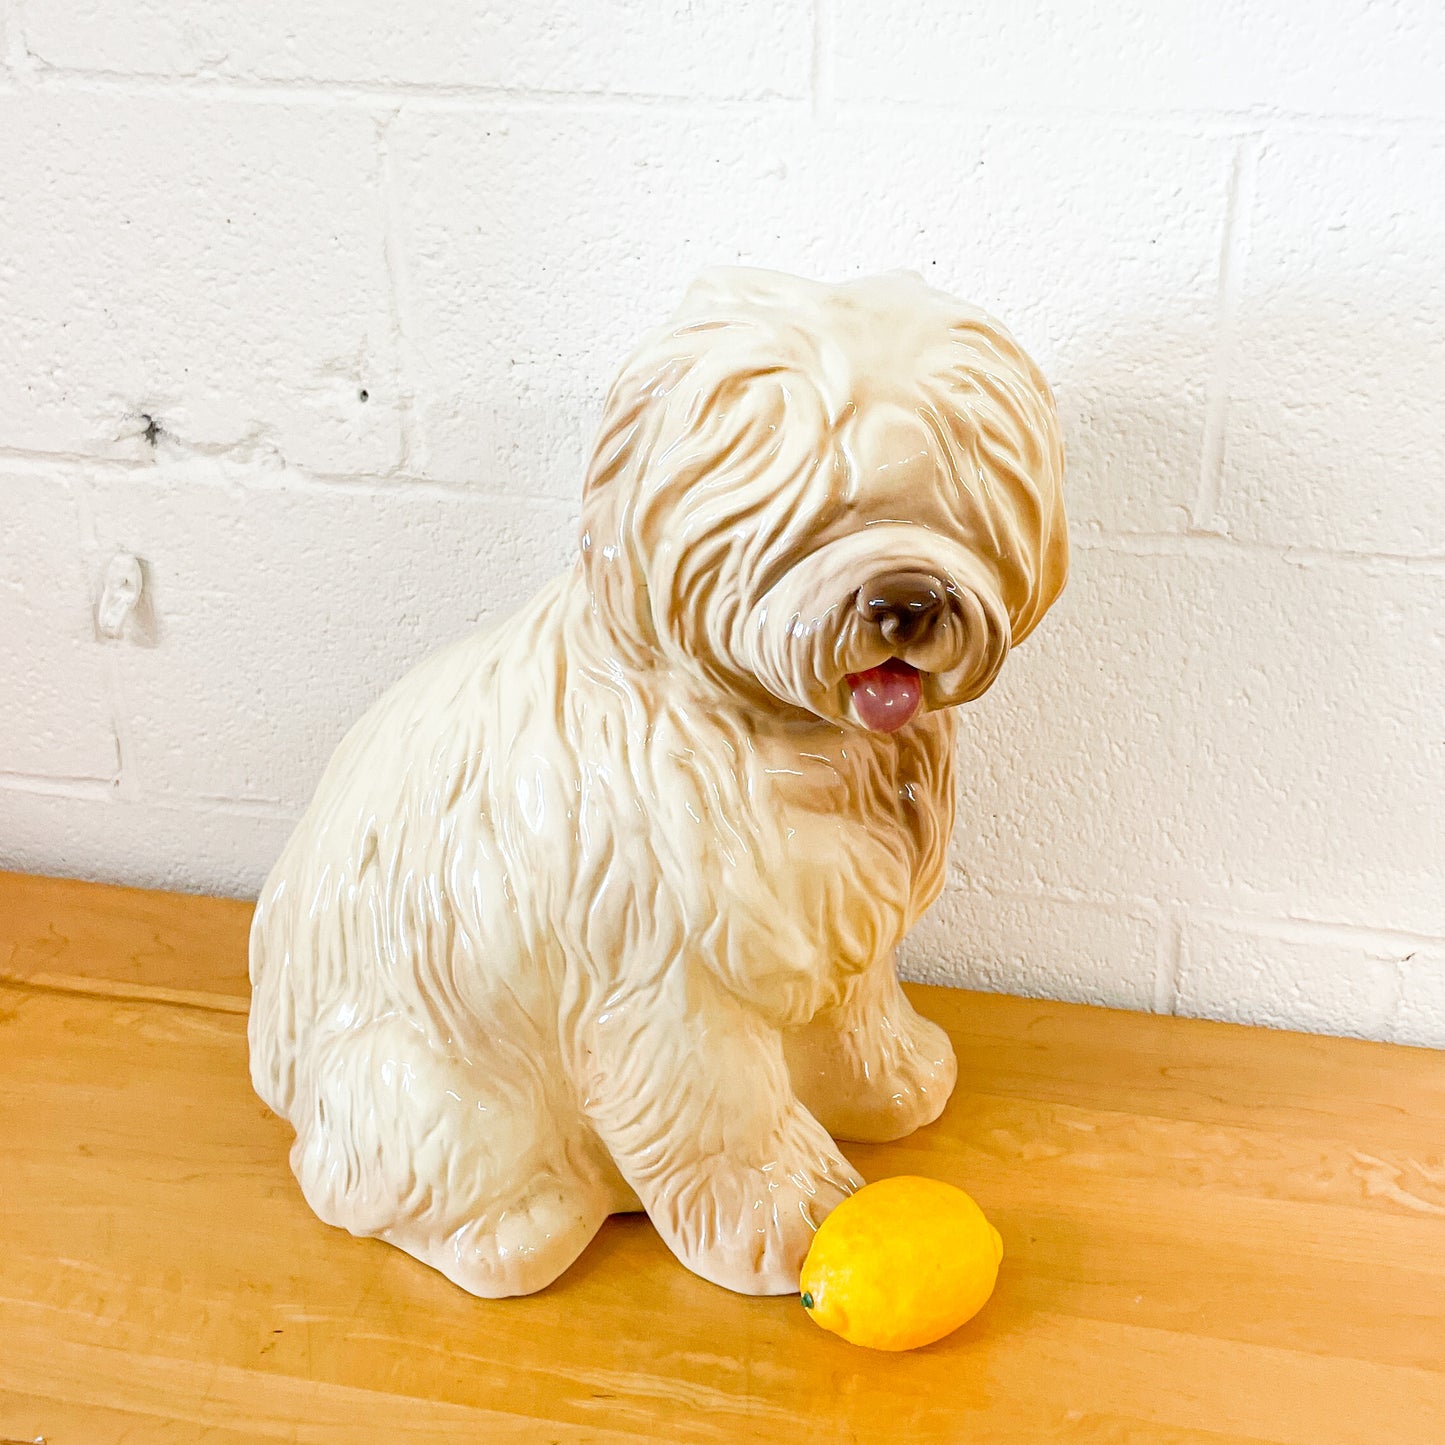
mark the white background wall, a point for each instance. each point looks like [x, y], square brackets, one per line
[368, 276]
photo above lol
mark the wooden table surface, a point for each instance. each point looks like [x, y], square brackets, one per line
[1213, 1234]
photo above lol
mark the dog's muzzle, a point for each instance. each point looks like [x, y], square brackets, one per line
[914, 619]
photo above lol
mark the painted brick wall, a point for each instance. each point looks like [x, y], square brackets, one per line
[311, 306]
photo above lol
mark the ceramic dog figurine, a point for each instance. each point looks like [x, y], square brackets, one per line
[597, 908]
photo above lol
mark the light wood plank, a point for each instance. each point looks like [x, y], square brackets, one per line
[1214, 1235]
[100, 938]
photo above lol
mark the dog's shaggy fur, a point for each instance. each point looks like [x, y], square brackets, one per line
[597, 909]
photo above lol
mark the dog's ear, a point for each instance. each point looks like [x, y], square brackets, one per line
[1039, 492]
[1006, 428]
[1007, 425]
[624, 439]
[1053, 570]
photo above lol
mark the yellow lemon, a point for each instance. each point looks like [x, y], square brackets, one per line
[901, 1263]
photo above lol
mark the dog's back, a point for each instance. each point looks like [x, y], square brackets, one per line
[350, 924]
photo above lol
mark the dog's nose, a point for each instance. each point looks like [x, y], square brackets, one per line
[902, 604]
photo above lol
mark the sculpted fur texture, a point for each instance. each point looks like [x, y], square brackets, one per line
[597, 909]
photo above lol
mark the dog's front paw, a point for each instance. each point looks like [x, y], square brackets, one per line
[876, 1078]
[747, 1225]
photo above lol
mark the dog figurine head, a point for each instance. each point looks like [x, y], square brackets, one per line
[844, 499]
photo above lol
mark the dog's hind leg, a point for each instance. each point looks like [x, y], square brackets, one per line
[469, 1165]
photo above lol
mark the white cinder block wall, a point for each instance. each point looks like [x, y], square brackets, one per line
[311, 307]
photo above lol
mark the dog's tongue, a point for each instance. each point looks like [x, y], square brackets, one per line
[885, 697]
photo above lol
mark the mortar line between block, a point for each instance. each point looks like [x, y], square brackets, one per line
[1233, 256]
[1391, 1004]
[125, 782]
[375, 95]
[17, 57]
[1250, 917]
[1306, 930]
[398, 296]
[821, 80]
[292, 476]
[91, 560]
[1168, 957]
[1215, 544]
[262, 809]
[1194, 121]
[45, 785]
[104, 790]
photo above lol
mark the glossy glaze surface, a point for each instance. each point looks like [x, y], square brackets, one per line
[597, 908]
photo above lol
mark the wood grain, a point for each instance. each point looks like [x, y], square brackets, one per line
[1213, 1234]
